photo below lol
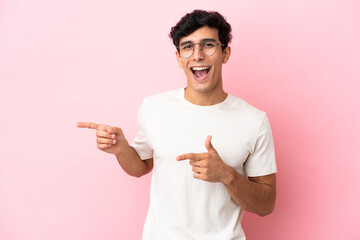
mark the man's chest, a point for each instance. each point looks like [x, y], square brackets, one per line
[171, 135]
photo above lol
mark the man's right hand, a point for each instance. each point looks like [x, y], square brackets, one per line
[109, 139]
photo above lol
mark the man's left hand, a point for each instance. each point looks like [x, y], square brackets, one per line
[208, 166]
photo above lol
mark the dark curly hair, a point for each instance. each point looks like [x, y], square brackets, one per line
[200, 18]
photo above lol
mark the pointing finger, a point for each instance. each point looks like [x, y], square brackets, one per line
[186, 156]
[191, 156]
[88, 125]
[102, 127]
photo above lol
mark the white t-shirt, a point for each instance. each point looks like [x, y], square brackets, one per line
[185, 208]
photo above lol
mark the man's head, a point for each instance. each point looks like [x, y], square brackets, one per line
[202, 39]
[200, 18]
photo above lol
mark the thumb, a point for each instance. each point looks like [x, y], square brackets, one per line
[208, 144]
[116, 130]
[111, 129]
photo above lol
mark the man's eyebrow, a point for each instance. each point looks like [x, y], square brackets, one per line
[208, 39]
[186, 42]
[202, 40]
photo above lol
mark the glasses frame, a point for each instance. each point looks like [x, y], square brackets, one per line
[193, 50]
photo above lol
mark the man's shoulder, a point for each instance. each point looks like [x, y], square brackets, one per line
[243, 107]
[166, 95]
[161, 99]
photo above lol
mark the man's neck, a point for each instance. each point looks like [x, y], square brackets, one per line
[205, 98]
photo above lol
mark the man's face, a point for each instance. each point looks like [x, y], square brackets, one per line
[203, 72]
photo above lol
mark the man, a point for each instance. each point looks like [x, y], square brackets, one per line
[200, 142]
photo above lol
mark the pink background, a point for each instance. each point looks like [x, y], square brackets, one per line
[74, 60]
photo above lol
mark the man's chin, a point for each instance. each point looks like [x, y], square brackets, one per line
[203, 88]
[200, 86]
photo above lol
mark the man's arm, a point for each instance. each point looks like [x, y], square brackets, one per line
[255, 195]
[130, 161]
[112, 140]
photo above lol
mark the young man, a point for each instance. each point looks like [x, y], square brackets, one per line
[200, 142]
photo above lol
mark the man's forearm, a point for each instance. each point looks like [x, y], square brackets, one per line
[131, 163]
[255, 197]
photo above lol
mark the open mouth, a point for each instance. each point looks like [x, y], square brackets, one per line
[200, 73]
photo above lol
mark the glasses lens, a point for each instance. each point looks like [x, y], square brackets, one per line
[186, 50]
[208, 48]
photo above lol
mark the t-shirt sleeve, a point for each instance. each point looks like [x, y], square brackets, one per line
[140, 143]
[261, 161]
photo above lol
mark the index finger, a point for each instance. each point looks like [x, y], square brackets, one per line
[90, 125]
[191, 156]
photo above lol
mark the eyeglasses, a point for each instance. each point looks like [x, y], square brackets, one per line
[208, 48]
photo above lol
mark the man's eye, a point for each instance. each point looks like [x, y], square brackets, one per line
[208, 45]
[187, 47]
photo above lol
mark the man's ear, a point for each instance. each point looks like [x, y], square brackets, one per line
[178, 59]
[226, 54]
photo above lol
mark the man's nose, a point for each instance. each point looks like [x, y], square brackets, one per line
[198, 54]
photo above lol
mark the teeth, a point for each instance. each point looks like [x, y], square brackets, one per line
[200, 68]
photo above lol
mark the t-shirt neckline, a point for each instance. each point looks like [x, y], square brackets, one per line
[181, 97]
